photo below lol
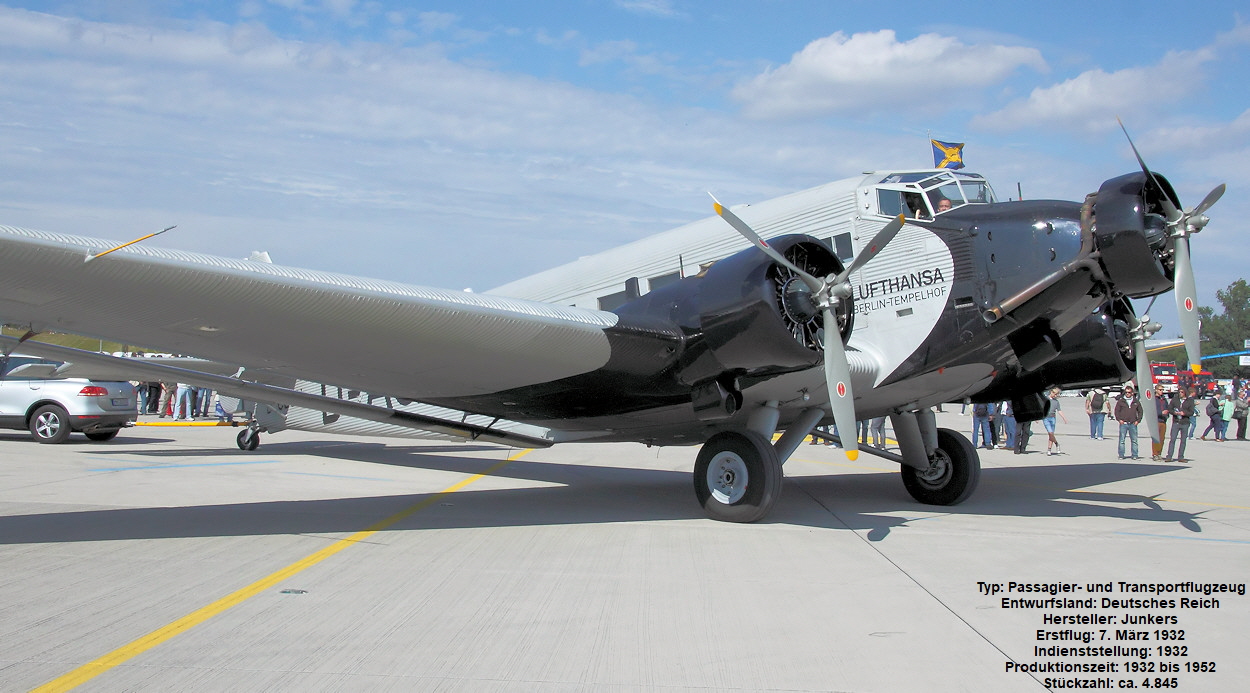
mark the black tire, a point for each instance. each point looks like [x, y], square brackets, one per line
[737, 477]
[101, 436]
[248, 439]
[50, 424]
[954, 476]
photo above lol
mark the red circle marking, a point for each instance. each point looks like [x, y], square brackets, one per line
[841, 389]
[1189, 303]
[1149, 394]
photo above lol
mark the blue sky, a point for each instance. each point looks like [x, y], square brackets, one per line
[468, 144]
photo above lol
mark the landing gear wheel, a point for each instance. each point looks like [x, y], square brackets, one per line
[953, 475]
[248, 439]
[737, 477]
[50, 424]
[101, 436]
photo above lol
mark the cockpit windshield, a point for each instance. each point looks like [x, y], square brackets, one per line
[926, 194]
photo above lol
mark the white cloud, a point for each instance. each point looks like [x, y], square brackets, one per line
[659, 8]
[238, 135]
[1091, 100]
[864, 72]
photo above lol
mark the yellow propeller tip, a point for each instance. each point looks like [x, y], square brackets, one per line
[1196, 368]
[719, 209]
[852, 455]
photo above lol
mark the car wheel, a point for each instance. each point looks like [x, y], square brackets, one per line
[50, 424]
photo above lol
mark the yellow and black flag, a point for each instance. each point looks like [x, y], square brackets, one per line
[947, 154]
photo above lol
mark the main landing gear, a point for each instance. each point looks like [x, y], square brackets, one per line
[738, 475]
[952, 474]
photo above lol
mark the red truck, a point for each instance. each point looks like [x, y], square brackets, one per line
[1164, 374]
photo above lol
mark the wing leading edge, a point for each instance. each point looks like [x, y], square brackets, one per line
[409, 341]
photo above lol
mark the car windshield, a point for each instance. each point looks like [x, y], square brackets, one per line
[14, 363]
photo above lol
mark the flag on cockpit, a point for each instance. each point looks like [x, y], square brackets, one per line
[947, 154]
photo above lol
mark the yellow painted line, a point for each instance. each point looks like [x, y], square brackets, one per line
[93, 669]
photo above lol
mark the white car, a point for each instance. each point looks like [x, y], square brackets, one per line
[34, 399]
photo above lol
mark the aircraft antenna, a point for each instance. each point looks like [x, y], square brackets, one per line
[89, 258]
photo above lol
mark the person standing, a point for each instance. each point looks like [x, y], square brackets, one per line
[1052, 410]
[1096, 405]
[1164, 411]
[183, 401]
[1228, 409]
[1128, 413]
[878, 432]
[1214, 410]
[1182, 407]
[981, 426]
[1009, 424]
[167, 394]
[1240, 407]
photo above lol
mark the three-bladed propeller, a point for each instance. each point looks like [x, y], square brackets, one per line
[1180, 225]
[827, 293]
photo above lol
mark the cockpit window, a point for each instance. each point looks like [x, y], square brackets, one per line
[925, 194]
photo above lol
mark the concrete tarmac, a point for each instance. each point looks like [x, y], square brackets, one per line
[167, 559]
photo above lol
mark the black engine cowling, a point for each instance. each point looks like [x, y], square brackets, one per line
[1129, 229]
[1097, 352]
[758, 316]
[747, 316]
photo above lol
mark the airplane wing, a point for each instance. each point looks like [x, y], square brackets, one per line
[79, 363]
[404, 340]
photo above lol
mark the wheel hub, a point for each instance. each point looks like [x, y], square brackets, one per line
[727, 478]
[939, 471]
[48, 424]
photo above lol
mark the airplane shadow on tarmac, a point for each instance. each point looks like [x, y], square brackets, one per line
[585, 494]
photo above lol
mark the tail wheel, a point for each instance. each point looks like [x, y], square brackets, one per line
[248, 439]
[953, 473]
[737, 477]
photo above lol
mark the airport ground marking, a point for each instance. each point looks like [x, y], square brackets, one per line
[134, 648]
[182, 466]
[1172, 536]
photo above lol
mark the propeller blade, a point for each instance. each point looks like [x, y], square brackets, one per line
[1146, 390]
[749, 233]
[880, 241]
[838, 379]
[1169, 206]
[1212, 197]
[1187, 301]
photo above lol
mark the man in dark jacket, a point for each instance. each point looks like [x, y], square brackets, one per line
[1183, 408]
[1128, 412]
[1161, 408]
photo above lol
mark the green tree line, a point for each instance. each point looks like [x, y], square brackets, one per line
[1221, 334]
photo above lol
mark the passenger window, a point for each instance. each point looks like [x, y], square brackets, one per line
[663, 280]
[842, 247]
[612, 301]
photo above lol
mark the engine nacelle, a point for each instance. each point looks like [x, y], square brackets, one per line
[1129, 230]
[1097, 352]
[743, 319]
[746, 316]
[758, 316]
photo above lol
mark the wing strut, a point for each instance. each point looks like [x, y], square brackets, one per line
[270, 394]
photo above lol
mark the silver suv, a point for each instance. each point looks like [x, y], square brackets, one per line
[33, 398]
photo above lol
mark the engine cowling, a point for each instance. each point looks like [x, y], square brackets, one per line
[1129, 229]
[1097, 352]
[756, 318]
